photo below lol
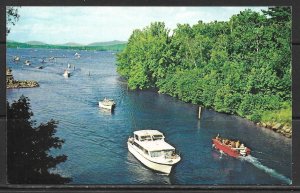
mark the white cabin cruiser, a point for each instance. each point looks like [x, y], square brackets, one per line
[107, 104]
[149, 147]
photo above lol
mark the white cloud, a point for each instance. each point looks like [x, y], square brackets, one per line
[90, 24]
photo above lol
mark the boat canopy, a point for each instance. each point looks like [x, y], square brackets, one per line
[152, 140]
[147, 132]
[157, 145]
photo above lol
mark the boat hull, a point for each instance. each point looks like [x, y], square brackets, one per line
[164, 168]
[109, 107]
[227, 149]
[66, 75]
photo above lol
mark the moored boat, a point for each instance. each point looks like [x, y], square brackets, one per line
[150, 148]
[230, 147]
[107, 104]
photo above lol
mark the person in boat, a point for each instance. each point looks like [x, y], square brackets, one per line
[218, 137]
[226, 142]
[237, 144]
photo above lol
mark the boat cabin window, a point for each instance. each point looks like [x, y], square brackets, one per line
[155, 153]
[157, 137]
[145, 138]
[166, 153]
[169, 152]
[136, 137]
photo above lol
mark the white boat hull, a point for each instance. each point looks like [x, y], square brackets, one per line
[110, 107]
[155, 166]
[66, 75]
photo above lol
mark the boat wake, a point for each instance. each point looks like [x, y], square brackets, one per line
[254, 161]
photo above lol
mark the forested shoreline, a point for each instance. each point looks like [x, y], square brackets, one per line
[113, 47]
[241, 66]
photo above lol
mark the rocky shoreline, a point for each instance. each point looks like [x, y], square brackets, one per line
[282, 129]
[12, 83]
[22, 84]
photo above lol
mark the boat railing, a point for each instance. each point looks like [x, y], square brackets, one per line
[171, 156]
[131, 139]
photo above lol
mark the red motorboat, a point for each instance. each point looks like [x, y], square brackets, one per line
[230, 147]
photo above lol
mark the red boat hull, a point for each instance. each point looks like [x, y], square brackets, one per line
[228, 150]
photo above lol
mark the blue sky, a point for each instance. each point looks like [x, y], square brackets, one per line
[85, 25]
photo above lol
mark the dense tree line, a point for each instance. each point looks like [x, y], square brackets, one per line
[28, 146]
[241, 66]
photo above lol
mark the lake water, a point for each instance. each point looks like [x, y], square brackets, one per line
[95, 140]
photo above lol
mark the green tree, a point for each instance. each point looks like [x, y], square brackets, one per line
[28, 147]
[242, 66]
[12, 16]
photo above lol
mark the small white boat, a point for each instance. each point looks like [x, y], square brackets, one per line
[27, 62]
[149, 147]
[16, 58]
[107, 104]
[66, 73]
[77, 55]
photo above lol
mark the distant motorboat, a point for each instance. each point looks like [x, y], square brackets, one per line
[40, 67]
[16, 58]
[27, 63]
[66, 74]
[107, 104]
[230, 147]
[77, 55]
[51, 58]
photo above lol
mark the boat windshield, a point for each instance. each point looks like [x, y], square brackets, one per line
[146, 138]
[166, 153]
[157, 137]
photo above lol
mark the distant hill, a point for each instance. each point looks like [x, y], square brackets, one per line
[110, 43]
[35, 43]
[70, 44]
[103, 46]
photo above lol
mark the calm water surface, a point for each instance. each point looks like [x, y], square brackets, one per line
[95, 140]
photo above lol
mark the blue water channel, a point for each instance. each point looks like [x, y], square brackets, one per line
[95, 140]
